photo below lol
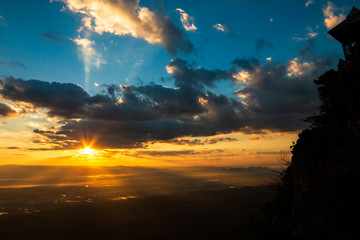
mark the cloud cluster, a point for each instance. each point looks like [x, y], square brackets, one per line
[127, 17]
[331, 19]
[271, 96]
[277, 95]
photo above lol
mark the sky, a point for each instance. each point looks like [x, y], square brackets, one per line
[160, 83]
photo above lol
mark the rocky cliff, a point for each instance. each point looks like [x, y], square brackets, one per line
[319, 194]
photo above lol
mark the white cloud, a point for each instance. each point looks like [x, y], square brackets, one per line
[242, 76]
[311, 33]
[186, 20]
[170, 69]
[331, 20]
[87, 22]
[298, 67]
[124, 17]
[309, 2]
[220, 27]
[89, 55]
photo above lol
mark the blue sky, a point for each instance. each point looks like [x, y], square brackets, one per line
[25, 22]
[214, 67]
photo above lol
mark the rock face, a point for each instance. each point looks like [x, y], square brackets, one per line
[319, 194]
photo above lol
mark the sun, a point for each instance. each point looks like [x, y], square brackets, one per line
[87, 151]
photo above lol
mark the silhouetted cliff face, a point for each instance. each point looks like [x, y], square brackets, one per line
[319, 194]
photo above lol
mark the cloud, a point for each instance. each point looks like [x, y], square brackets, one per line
[185, 142]
[13, 64]
[275, 98]
[261, 44]
[70, 101]
[298, 67]
[331, 20]
[222, 27]
[220, 139]
[13, 148]
[126, 17]
[54, 37]
[192, 142]
[167, 153]
[309, 2]
[310, 34]
[225, 28]
[6, 110]
[186, 20]
[268, 98]
[185, 74]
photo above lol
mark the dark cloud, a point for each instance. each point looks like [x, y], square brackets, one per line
[216, 140]
[62, 99]
[174, 153]
[269, 99]
[115, 134]
[168, 153]
[275, 100]
[261, 44]
[71, 101]
[307, 53]
[185, 142]
[6, 110]
[14, 64]
[54, 37]
[268, 153]
[192, 142]
[13, 148]
[247, 64]
[174, 39]
[185, 74]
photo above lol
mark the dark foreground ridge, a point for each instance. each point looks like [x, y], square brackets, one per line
[320, 191]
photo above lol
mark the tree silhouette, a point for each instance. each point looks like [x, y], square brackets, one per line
[319, 192]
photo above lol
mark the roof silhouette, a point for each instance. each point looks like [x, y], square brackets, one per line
[348, 31]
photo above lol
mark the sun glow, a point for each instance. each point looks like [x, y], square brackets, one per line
[87, 151]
